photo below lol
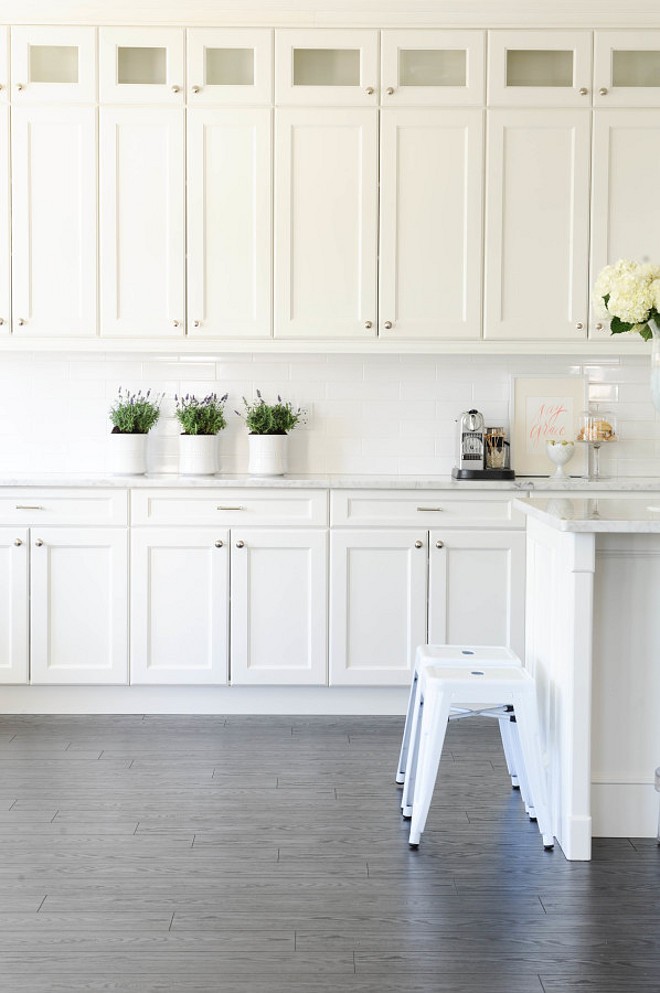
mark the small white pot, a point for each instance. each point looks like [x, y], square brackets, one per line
[198, 454]
[268, 454]
[128, 454]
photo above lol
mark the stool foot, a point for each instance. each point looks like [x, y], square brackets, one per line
[413, 848]
[406, 813]
[400, 778]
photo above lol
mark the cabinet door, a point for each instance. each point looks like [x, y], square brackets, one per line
[54, 221]
[279, 607]
[141, 65]
[477, 588]
[4, 65]
[230, 66]
[53, 65]
[79, 605]
[627, 68]
[626, 193]
[539, 68]
[229, 223]
[14, 605]
[378, 583]
[326, 68]
[430, 223]
[438, 68]
[5, 233]
[142, 222]
[537, 221]
[179, 605]
[326, 223]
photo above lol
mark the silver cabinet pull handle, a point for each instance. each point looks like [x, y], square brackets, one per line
[240, 544]
[439, 544]
[369, 90]
[19, 86]
[599, 327]
[368, 324]
[26, 506]
[2, 321]
[579, 326]
[39, 542]
[431, 510]
[230, 508]
[419, 544]
[219, 544]
[387, 325]
[603, 91]
[176, 324]
[18, 542]
[196, 89]
[389, 91]
[197, 324]
[21, 322]
[176, 89]
[583, 91]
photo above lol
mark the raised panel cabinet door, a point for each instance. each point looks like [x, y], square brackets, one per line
[627, 69]
[142, 228]
[142, 66]
[537, 224]
[378, 587]
[14, 604]
[230, 67]
[5, 226]
[229, 223]
[54, 231]
[431, 171]
[316, 68]
[53, 65]
[79, 605]
[477, 588]
[179, 605]
[432, 68]
[326, 223]
[279, 612]
[625, 217]
[539, 68]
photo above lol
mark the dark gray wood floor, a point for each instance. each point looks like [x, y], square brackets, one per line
[263, 855]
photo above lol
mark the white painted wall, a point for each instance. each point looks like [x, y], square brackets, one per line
[367, 414]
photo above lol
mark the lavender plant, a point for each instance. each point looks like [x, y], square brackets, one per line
[135, 413]
[270, 418]
[205, 416]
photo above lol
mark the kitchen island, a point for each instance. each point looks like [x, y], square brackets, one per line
[592, 643]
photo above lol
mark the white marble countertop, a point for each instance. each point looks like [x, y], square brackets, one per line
[601, 514]
[330, 481]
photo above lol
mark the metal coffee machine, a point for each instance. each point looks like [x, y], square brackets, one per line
[481, 450]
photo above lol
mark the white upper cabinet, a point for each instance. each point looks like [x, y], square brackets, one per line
[431, 171]
[5, 235]
[627, 68]
[53, 65]
[432, 68]
[230, 67]
[326, 223]
[537, 224]
[54, 221]
[4, 64]
[142, 184]
[539, 68]
[141, 65]
[229, 222]
[319, 67]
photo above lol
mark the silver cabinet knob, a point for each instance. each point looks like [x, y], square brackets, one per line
[2, 321]
[196, 89]
[197, 324]
[18, 542]
[389, 91]
[419, 544]
[583, 91]
[579, 326]
[387, 325]
[21, 322]
[240, 544]
[369, 90]
[599, 326]
[19, 86]
[176, 324]
[368, 325]
[439, 544]
[603, 91]
[219, 544]
[39, 542]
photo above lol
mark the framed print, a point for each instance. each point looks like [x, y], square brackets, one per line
[545, 408]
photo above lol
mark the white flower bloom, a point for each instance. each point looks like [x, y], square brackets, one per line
[655, 292]
[633, 289]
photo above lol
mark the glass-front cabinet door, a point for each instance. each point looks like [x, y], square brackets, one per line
[141, 65]
[326, 68]
[53, 65]
[539, 68]
[432, 68]
[230, 67]
[627, 68]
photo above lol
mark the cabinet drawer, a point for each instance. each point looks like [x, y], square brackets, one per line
[229, 508]
[69, 508]
[427, 508]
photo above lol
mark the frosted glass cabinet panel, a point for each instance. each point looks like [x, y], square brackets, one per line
[626, 192]
[142, 237]
[141, 65]
[229, 223]
[54, 221]
[230, 66]
[539, 68]
[5, 236]
[424, 68]
[326, 223]
[430, 223]
[53, 65]
[537, 219]
[326, 68]
[627, 68]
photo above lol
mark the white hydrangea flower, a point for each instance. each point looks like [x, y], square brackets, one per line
[654, 289]
[631, 290]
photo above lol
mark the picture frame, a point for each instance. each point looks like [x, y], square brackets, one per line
[545, 408]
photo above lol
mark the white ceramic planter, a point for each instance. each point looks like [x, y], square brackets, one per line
[268, 454]
[128, 454]
[198, 454]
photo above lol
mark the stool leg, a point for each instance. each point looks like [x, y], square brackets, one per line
[405, 743]
[527, 720]
[526, 794]
[413, 754]
[432, 737]
[505, 735]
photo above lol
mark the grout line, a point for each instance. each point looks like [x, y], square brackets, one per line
[171, 921]
[541, 902]
[42, 903]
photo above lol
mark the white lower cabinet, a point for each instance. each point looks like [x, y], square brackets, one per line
[279, 606]
[179, 605]
[14, 605]
[79, 605]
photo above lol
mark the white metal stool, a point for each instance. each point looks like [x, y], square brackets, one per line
[465, 657]
[443, 688]
[657, 786]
